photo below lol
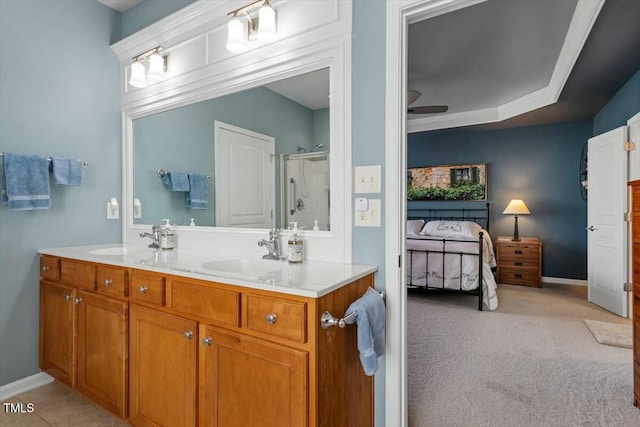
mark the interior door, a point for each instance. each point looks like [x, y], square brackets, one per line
[245, 178]
[606, 229]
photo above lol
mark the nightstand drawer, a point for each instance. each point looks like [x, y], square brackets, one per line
[529, 252]
[519, 263]
[519, 277]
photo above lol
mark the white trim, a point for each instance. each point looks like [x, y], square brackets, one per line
[563, 281]
[25, 384]
[584, 17]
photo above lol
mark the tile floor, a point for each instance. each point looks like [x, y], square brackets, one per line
[55, 405]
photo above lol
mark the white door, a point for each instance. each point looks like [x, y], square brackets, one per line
[245, 178]
[606, 228]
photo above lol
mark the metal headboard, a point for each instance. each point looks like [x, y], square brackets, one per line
[478, 215]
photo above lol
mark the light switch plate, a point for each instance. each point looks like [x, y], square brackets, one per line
[371, 217]
[367, 179]
[113, 213]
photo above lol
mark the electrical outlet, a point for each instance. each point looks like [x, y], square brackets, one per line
[367, 179]
[371, 217]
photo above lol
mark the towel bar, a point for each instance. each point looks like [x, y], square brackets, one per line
[162, 172]
[84, 163]
[327, 320]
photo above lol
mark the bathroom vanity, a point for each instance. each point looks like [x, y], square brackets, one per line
[179, 338]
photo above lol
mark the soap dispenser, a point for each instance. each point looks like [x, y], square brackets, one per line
[167, 236]
[294, 254]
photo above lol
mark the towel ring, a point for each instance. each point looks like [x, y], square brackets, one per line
[327, 320]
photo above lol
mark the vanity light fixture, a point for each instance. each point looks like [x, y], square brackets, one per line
[261, 28]
[157, 68]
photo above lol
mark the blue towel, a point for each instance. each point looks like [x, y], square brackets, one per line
[198, 195]
[26, 182]
[67, 171]
[179, 181]
[370, 315]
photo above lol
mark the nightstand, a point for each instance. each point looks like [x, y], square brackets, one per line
[519, 262]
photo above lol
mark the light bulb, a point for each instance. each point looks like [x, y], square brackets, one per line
[236, 36]
[137, 75]
[267, 24]
[156, 69]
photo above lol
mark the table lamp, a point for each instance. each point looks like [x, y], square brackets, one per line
[516, 207]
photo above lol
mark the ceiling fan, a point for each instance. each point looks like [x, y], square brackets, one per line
[412, 95]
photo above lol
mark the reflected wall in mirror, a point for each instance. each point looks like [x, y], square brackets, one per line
[294, 113]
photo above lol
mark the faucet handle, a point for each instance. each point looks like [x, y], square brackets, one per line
[274, 233]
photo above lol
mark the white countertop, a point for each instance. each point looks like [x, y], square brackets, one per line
[309, 278]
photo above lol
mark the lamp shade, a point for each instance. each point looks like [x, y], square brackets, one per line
[236, 35]
[516, 207]
[138, 78]
[156, 69]
[267, 24]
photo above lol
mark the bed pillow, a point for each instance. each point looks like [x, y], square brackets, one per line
[451, 228]
[414, 226]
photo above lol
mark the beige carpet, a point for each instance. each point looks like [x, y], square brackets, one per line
[613, 334]
[530, 363]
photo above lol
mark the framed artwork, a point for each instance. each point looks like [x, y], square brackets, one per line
[448, 182]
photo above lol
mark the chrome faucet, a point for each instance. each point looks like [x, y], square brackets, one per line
[154, 235]
[273, 245]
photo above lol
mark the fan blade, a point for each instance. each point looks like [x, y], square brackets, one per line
[428, 109]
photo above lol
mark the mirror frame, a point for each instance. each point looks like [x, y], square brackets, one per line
[295, 55]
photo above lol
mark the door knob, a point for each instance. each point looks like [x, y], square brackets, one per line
[591, 228]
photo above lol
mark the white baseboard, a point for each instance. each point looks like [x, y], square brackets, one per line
[24, 384]
[563, 281]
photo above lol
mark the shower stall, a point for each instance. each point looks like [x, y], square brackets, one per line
[304, 190]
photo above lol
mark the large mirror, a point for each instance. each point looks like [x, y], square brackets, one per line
[230, 161]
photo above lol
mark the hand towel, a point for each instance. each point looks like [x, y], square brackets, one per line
[198, 195]
[67, 171]
[371, 319]
[26, 182]
[179, 181]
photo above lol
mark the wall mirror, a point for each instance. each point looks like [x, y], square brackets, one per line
[256, 158]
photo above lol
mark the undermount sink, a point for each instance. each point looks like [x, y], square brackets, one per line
[118, 250]
[245, 267]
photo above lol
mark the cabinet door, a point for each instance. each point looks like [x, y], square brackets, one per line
[58, 331]
[162, 368]
[246, 381]
[102, 350]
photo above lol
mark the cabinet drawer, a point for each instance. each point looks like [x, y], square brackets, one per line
[218, 305]
[112, 281]
[78, 274]
[518, 264]
[279, 317]
[519, 277]
[147, 287]
[518, 252]
[50, 268]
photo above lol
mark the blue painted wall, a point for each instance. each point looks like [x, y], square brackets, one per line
[368, 89]
[59, 86]
[183, 139]
[624, 105]
[538, 164]
[147, 12]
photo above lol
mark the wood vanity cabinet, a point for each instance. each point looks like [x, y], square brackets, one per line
[164, 350]
[83, 334]
[635, 279]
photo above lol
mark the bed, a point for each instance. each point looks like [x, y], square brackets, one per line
[451, 250]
